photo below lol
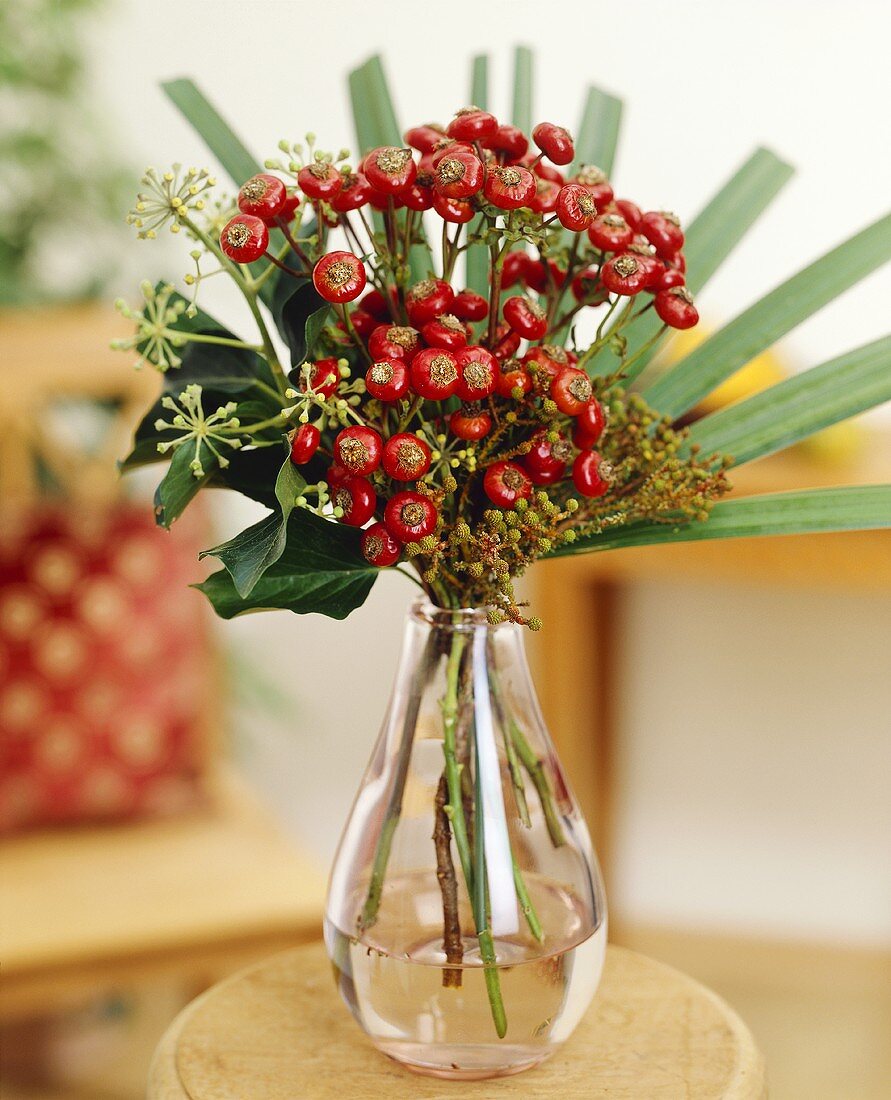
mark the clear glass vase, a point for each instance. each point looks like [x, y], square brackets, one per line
[465, 916]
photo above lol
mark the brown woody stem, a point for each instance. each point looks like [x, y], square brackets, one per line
[448, 885]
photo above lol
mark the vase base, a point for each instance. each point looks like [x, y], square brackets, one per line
[461, 1064]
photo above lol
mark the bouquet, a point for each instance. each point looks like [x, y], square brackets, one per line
[450, 375]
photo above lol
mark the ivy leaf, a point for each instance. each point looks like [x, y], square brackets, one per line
[251, 472]
[254, 550]
[321, 570]
[179, 485]
[300, 313]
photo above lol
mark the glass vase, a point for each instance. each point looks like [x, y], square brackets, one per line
[465, 916]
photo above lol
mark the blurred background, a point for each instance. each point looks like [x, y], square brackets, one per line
[172, 789]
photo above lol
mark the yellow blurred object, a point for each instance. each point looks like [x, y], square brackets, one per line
[764, 370]
[837, 444]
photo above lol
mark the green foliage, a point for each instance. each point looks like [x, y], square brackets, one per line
[179, 485]
[763, 323]
[376, 124]
[597, 137]
[796, 408]
[477, 257]
[524, 76]
[300, 315]
[212, 128]
[254, 550]
[716, 231]
[321, 570]
[851, 508]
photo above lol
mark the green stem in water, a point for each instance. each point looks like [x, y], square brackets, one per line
[535, 767]
[481, 912]
[455, 807]
[526, 904]
[394, 809]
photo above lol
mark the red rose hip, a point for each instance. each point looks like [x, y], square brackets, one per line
[339, 277]
[388, 379]
[410, 516]
[245, 238]
[304, 443]
[406, 457]
[590, 474]
[358, 449]
[526, 317]
[354, 499]
[379, 547]
[675, 307]
[505, 483]
[264, 196]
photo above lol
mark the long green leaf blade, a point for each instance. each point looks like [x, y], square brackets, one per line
[597, 138]
[376, 124]
[725, 220]
[521, 104]
[718, 228]
[811, 511]
[794, 409]
[213, 129]
[477, 257]
[762, 324]
[373, 110]
[479, 81]
[220, 139]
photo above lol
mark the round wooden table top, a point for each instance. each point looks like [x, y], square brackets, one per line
[279, 1031]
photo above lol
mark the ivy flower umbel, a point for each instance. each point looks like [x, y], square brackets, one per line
[155, 338]
[198, 428]
[168, 197]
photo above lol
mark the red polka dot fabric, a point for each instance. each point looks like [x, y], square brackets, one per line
[104, 667]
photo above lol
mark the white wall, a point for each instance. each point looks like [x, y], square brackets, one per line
[777, 809]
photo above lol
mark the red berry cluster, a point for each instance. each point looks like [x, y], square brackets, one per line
[469, 401]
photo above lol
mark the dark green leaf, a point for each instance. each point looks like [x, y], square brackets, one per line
[852, 508]
[762, 324]
[300, 314]
[254, 550]
[717, 230]
[598, 133]
[212, 128]
[222, 373]
[252, 471]
[794, 409]
[521, 111]
[321, 570]
[179, 485]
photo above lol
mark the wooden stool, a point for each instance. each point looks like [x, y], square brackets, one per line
[279, 1031]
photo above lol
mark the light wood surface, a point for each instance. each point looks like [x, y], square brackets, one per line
[279, 1031]
[195, 895]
